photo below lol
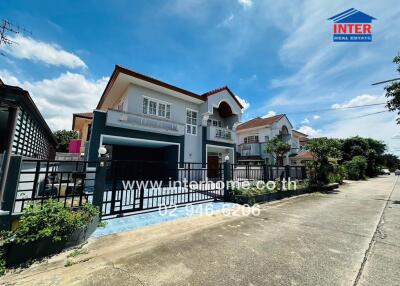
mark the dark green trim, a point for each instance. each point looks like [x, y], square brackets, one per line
[99, 128]
[10, 191]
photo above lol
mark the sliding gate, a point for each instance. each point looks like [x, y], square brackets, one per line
[133, 186]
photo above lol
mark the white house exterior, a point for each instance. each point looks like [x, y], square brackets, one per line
[142, 118]
[253, 135]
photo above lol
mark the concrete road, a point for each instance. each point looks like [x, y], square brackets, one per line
[350, 237]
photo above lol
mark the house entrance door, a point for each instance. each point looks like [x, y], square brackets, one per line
[213, 167]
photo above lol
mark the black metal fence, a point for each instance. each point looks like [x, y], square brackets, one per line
[133, 186]
[70, 182]
[266, 173]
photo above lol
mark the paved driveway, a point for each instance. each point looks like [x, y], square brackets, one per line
[344, 238]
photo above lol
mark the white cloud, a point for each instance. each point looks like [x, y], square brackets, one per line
[316, 117]
[58, 98]
[269, 114]
[305, 121]
[227, 21]
[306, 129]
[38, 51]
[364, 99]
[246, 3]
[243, 102]
[353, 122]
[248, 80]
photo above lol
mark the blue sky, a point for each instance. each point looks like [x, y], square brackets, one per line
[277, 56]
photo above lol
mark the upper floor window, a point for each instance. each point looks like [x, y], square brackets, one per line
[191, 122]
[214, 122]
[251, 139]
[155, 107]
[217, 123]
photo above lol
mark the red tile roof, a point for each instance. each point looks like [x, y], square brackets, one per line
[214, 91]
[306, 155]
[88, 115]
[300, 133]
[258, 122]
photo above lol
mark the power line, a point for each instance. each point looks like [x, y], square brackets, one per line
[385, 81]
[364, 115]
[337, 108]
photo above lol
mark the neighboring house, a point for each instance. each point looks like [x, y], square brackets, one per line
[23, 129]
[253, 136]
[82, 124]
[302, 158]
[299, 142]
[144, 119]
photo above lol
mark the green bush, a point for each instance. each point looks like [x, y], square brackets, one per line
[51, 220]
[356, 167]
[338, 174]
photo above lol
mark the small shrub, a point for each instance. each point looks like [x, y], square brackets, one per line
[356, 167]
[338, 174]
[102, 224]
[51, 220]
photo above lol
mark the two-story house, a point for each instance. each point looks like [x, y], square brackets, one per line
[144, 119]
[253, 136]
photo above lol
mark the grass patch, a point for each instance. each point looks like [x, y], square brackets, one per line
[102, 224]
[78, 252]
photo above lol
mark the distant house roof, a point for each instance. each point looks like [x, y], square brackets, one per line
[85, 115]
[352, 16]
[88, 115]
[259, 122]
[119, 69]
[306, 155]
[300, 133]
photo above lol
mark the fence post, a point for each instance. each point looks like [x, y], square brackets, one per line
[99, 184]
[227, 178]
[265, 173]
[10, 191]
[303, 172]
[287, 172]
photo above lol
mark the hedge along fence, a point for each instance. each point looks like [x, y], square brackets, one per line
[253, 195]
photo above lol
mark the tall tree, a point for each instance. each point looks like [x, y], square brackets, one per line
[323, 150]
[278, 149]
[371, 149]
[393, 92]
[391, 162]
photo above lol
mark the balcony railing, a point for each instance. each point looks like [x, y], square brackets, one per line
[220, 134]
[144, 123]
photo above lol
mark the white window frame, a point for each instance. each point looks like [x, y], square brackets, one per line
[191, 125]
[253, 139]
[167, 110]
